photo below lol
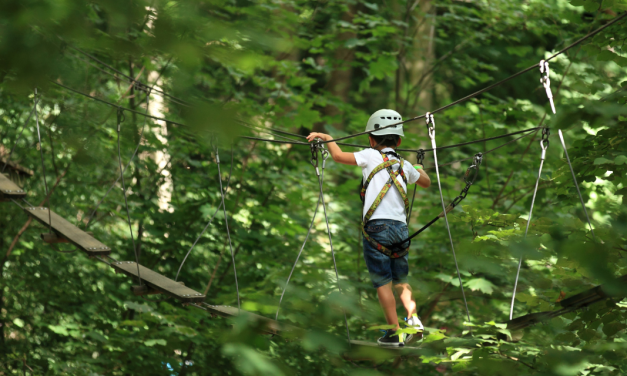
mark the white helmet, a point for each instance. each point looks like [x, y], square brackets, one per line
[383, 118]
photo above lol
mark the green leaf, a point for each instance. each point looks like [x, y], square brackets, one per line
[600, 161]
[621, 159]
[481, 284]
[18, 322]
[152, 342]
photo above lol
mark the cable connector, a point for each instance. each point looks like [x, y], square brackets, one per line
[544, 142]
[430, 124]
[546, 82]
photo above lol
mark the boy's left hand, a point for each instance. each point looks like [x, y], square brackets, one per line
[323, 136]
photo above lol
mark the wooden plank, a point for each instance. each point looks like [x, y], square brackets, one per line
[76, 236]
[159, 282]
[8, 189]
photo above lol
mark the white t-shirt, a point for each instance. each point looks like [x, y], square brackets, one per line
[392, 205]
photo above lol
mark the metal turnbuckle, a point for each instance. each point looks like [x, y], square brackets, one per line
[546, 82]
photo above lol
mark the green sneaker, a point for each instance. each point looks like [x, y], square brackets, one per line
[391, 339]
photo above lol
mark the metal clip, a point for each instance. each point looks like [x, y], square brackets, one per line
[546, 82]
[420, 157]
[430, 124]
[544, 142]
[314, 146]
[121, 118]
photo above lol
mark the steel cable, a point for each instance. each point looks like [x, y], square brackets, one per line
[448, 229]
[533, 200]
[128, 215]
[326, 218]
[583, 205]
[228, 233]
[43, 166]
[228, 182]
[276, 317]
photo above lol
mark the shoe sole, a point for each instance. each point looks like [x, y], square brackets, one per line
[398, 344]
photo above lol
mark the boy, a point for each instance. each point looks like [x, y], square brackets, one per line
[384, 215]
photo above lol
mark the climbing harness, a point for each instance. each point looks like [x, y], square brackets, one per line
[477, 159]
[314, 163]
[120, 119]
[544, 144]
[387, 165]
[431, 130]
[546, 82]
[583, 205]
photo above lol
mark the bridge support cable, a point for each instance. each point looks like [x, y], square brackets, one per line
[324, 154]
[313, 218]
[228, 182]
[226, 223]
[431, 130]
[128, 215]
[544, 144]
[583, 205]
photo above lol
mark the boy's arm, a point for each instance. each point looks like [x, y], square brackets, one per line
[336, 153]
[424, 180]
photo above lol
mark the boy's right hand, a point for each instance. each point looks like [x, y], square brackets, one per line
[323, 136]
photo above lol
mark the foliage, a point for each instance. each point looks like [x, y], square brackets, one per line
[297, 66]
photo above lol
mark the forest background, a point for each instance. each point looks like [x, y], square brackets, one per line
[301, 66]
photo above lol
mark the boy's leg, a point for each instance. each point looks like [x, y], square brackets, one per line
[404, 292]
[388, 303]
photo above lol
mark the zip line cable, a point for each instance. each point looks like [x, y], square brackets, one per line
[544, 144]
[6, 163]
[470, 96]
[118, 106]
[583, 205]
[490, 87]
[133, 80]
[228, 182]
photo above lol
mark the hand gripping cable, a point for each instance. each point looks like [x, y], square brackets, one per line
[544, 144]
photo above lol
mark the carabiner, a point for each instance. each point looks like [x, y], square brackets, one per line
[430, 128]
[544, 142]
[546, 82]
[121, 117]
[420, 157]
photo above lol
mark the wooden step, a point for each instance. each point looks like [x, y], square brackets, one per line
[8, 189]
[159, 282]
[73, 234]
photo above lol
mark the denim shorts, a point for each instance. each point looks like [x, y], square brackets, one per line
[382, 268]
